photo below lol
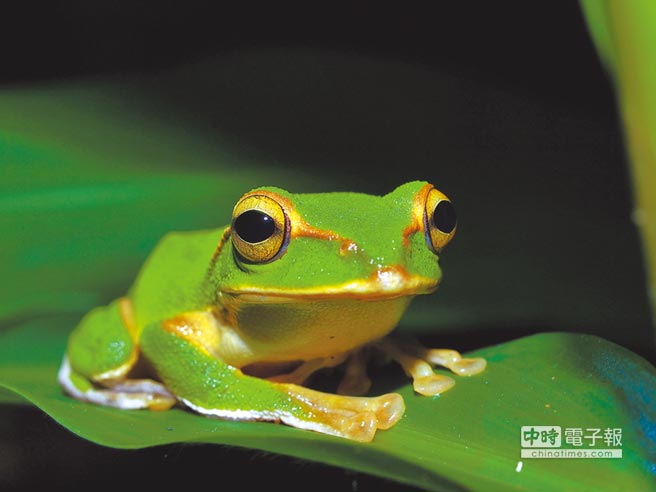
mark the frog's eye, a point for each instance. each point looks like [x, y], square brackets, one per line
[439, 220]
[259, 228]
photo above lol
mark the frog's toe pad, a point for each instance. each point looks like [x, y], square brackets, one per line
[432, 385]
[389, 410]
[468, 367]
[361, 427]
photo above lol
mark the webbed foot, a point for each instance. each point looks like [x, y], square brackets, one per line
[352, 417]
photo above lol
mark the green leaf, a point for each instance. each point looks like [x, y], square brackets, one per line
[597, 19]
[625, 35]
[100, 209]
[468, 438]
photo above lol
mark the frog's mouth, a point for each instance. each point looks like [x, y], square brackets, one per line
[383, 283]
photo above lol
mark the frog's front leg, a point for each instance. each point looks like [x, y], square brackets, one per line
[184, 352]
[417, 361]
[101, 353]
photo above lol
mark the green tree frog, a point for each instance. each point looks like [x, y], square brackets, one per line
[231, 322]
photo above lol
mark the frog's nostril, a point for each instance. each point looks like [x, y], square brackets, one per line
[347, 247]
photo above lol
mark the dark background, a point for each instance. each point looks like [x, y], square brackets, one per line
[538, 51]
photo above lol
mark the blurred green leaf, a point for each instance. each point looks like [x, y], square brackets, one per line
[625, 35]
[596, 15]
[89, 187]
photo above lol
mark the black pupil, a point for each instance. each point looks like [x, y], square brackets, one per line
[254, 226]
[444, 217]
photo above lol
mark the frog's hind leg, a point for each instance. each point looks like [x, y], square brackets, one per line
[101, 354]
[417, 361]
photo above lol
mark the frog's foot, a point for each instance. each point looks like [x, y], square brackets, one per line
[417, 361]
[125, 394]
[352, 417]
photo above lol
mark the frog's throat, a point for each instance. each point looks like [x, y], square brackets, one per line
[384, 283]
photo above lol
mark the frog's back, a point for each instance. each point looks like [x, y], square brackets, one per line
[171, 281]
